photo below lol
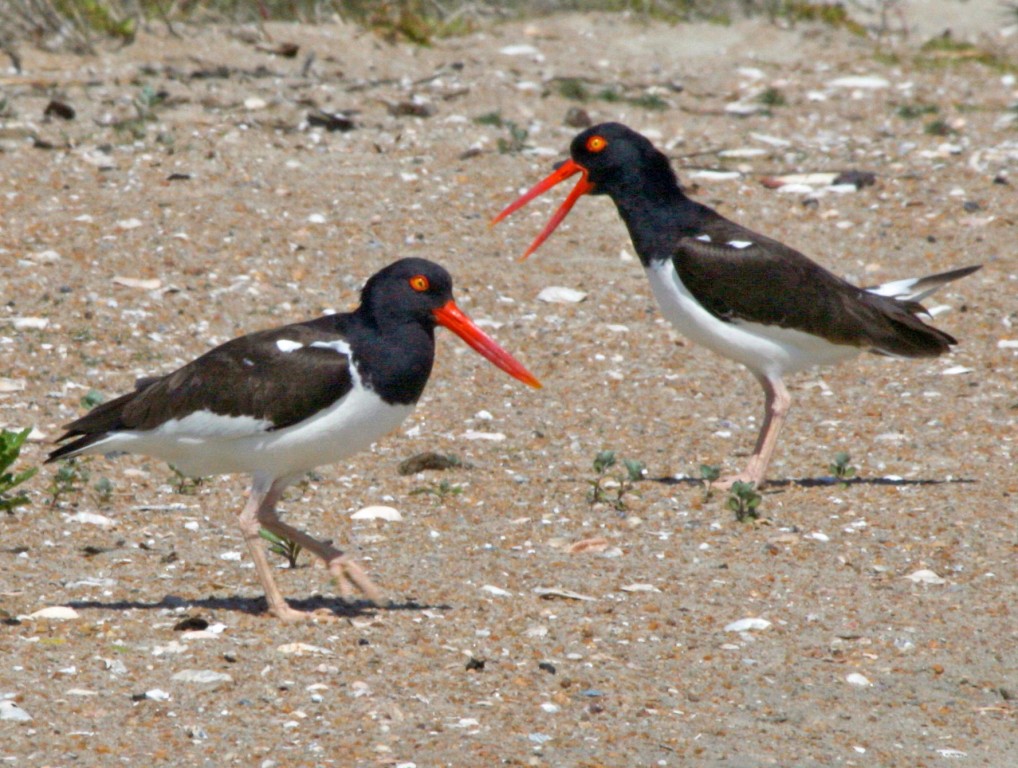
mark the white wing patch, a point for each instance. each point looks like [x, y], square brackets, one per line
[740, 244]
[286, 345]
[337, 345]
[703, 238]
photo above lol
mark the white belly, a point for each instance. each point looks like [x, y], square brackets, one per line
[764, 349]
[196, 447]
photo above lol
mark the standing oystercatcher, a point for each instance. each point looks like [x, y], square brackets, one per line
[743, 295]
[277, 403]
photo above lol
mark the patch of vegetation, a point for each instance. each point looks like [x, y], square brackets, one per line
[441, 490]
[946, 51]
[573, 88]
[280, 545]
[183, 484]
[832, 14]
[709, 473]
[912, 111]
[841, 467]
[938, 128]
[517, 140]
[610, 489]
[744, 501]
[772, 97]
[10, 449]
[70, 478]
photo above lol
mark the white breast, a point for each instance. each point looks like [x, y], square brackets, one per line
[764, 349]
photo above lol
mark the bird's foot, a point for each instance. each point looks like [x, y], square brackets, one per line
[348, 574]
[726, 483]
[286, 613]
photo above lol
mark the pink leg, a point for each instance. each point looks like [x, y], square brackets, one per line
[777, 402]
[259, 512]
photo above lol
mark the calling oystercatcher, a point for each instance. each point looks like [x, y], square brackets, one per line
[743, 295]
[277, 403]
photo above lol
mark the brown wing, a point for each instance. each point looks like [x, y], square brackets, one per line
[769, 283]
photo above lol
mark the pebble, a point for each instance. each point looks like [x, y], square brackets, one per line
[567, 594]
[746, 625]
[557, 294]
[92, 518]
[871, 82]
[29, 323]
[299, 649]
[389, 514]
[201, 676]
[55, 613]
[143, 284]
[956, 370]
[13, 713]
[497, 591]
[473, 434]
[157, 694]
[925, 576]
[857, 679]
[253, 102]
[519, 50]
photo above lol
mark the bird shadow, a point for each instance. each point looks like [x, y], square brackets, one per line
[826, 481]
[258, 605]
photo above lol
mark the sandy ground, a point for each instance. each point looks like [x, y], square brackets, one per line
[129, 246]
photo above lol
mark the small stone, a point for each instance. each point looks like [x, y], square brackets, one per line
[91, 518]
[55, 613]
[557, 294]
[866, 82]
[747, 625]
[202, 676]
[13, 713]
[925, 576]
[300, 649]
[577, 117]
[389, 514]
[857, 679]
[253, 103]
[497, 591]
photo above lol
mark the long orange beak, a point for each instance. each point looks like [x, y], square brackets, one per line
[450, 316]
[563, 172]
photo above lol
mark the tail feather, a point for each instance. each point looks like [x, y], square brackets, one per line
[97, 424]
[918, 288]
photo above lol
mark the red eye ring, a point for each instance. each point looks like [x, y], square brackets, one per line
[419, 283]
[596, 144]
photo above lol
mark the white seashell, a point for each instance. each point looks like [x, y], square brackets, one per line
[557, 294]
[55, 612]
[857, 679]
[747, 625]
[389, 514]
[925, 576]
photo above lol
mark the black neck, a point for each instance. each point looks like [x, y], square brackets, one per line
[394, 358]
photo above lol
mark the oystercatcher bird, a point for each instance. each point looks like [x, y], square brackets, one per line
[743, 295]
[277, 403]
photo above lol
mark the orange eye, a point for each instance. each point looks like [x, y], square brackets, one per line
[596, 143]
[419, 283]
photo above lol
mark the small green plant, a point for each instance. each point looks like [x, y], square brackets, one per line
[709, 473]
[517, 140]
[610, 489]
[183, 484]
[841, 467]
[938, 127]
[912, 111]
[70, 477]
[490, 118]
[772, 97]
[572, 88]
[744, 501]
[10, 449]
[103, 488]
[280, 545]
[92, 399]
[441, 490]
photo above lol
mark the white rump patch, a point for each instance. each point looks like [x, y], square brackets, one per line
[286, 345]
[740, 244]
[338, 345]
[703, 238]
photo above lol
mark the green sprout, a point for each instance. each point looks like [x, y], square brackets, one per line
[842, 470]
[744, 501]
[280, 545]
[69, 478]
[604, 492]
[440, 491]
[10, 449]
